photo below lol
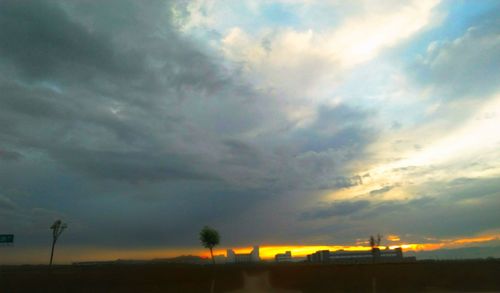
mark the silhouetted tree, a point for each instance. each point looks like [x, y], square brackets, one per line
[372, 242]
[375, 241]
[209, 237]
[57, 228]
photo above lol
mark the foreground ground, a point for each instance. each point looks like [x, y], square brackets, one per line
[453, 276]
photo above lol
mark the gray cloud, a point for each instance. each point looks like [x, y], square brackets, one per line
[9, 155]
[130, 132]
[463, 206]
[336, 208]
[337, 128]
[131, 166]
[382, 190]
[44, 42]
[6, 203]
[449, 209]
[466, 66]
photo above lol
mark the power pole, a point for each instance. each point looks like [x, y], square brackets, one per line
[57, 228]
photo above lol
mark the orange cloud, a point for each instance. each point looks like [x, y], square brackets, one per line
[393, 237]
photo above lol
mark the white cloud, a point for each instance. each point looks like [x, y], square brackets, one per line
[305, 62]
[198, 14]
[465, 67]
[357, 40]
[305, 65]
[467, 150]
[269, 52]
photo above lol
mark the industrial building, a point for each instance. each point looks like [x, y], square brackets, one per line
[283, 257]
[359, 256]
[220, 259]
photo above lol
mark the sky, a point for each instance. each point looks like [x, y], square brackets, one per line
[287, 124]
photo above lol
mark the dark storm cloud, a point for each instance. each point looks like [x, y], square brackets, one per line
[440, 218]
[454, 208]
[83, 74]
[6, 203]
[337, 136]
[34, 103]
[390, 206]
[131, 166]
[336, 208]
[463, 206]
[337, 128]
[43, 40]
[241, 153]
[363, 208]
[173, 222]
[470, 188]
[9, 155]
[113, 121]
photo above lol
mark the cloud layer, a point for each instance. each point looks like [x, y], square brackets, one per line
[140, 123]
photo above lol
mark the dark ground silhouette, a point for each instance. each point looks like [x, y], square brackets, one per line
[437, 276]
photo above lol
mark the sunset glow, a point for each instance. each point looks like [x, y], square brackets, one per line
[268, 252]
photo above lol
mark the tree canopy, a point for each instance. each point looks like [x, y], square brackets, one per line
[209, 237]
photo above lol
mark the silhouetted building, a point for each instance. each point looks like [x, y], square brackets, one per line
[319, 256]
[253, 256]
[220, 259]
[359, 256]
[283, 257]
[230, 256]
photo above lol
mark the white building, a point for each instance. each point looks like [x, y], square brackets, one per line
[253, 256]
[359, 256]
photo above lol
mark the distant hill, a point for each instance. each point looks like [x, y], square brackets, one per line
[183, 259]
[191, 259]
[457, 253]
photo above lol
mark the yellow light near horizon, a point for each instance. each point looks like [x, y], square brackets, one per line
[269, 251]
[69, 254]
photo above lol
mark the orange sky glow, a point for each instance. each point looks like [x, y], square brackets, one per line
[269, 251]
[69, 254]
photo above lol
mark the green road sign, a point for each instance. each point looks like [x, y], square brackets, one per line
[6, 238]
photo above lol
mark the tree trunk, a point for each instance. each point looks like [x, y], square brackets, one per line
[212, 285]
[212, 254]
[52, 251]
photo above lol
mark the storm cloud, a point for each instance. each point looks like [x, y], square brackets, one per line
[121, 121]
[133, 123]
[339, 208]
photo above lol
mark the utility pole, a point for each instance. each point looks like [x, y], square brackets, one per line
[57, 228]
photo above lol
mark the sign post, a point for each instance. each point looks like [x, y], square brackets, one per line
[7, 239]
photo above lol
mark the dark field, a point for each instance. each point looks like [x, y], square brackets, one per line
[472, 276]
